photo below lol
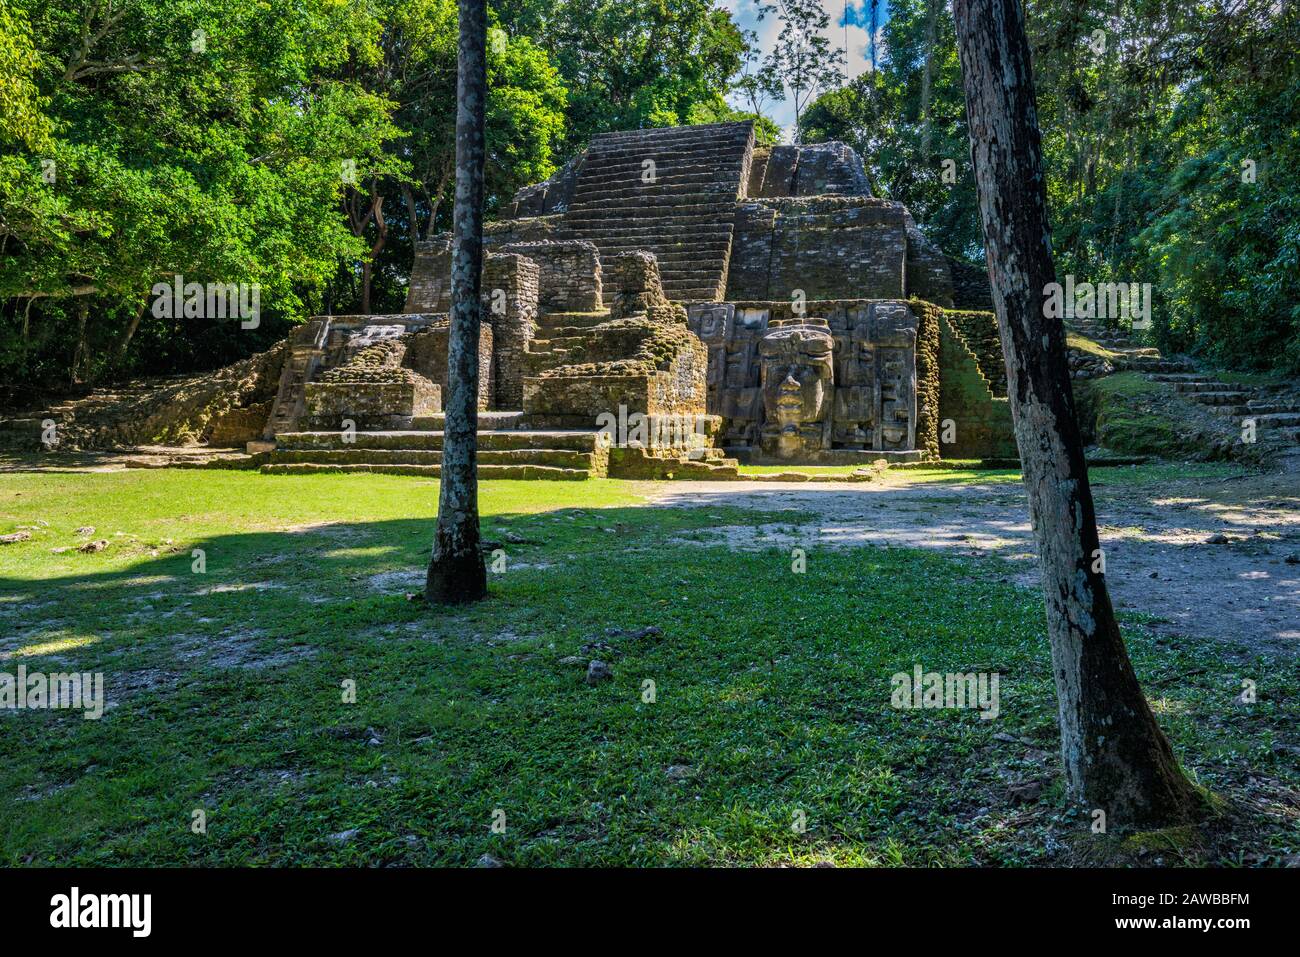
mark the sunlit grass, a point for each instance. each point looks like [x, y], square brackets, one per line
[770, 688]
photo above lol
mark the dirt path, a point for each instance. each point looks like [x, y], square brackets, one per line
[1163, 545]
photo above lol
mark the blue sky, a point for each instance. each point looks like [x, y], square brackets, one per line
[852, 27]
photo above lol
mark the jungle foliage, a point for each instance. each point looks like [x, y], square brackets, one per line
[1169, 136]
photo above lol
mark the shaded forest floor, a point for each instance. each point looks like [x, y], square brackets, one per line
[767, 736]
[1212, 550]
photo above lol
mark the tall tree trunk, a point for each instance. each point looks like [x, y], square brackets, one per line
[456, 571]
[80, 354]
[1116, 758]
[927, 76]
[381, 237]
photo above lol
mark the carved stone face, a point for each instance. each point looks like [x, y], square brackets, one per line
[797, 373]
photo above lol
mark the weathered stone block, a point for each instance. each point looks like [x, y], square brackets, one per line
[370, 405]
[568, 274]
[510, 292]
[636, 285]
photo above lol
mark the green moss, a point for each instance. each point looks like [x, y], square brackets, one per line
[1075, 341]
[1128, 384]
[927, 377]
[980, 332]
[653, 344]
[1129, 414]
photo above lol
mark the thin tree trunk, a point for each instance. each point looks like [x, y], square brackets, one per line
[927, 76]
[1116, 758]
[79, 353]
[381, 237]
[456, 571]
[120, 352]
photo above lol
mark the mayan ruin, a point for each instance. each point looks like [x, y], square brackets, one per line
[533, 436]
[683, 275]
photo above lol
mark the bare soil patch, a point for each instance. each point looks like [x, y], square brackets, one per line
[1216, 558]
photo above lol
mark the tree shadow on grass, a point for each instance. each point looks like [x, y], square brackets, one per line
[769, 703]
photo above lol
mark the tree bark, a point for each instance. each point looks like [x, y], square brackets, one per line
[368, 267]
[79, 354]
[124, 343]
[1116, 757]
[456, 571]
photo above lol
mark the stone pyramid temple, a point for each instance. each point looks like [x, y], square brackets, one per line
[671, 302]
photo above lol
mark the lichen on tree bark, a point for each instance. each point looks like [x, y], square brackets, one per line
[1116, 758]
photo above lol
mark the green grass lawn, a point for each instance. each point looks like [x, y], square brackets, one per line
[771, 689]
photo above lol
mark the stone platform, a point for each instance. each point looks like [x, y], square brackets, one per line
[508, 449]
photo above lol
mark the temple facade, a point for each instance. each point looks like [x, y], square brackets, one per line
[675, 275]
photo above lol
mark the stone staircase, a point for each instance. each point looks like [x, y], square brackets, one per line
[23, 431]
[1138, 357]
[685, 215]
[558, 337]
[1275, 419]
[508, 448]
[508, 453]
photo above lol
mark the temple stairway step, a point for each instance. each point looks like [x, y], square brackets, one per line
[673, 195]
[1181, 377]
[602, 151]
[502, 454]
[695, 176]
[631, 217]
[1220, 398]
[488, 421]
[559, 458]
[709, 232]
[488, 440]
[635, 167]
[571, 320]
[1276, 419]
[684, 139]
[1265, 407]
[485, 472]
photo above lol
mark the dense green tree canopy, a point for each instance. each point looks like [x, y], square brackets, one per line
[204, 139]
[632, 63]
[303, 148]
[1169, 136]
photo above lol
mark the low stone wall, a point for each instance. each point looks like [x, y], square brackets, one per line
[533, 229]
[510, 284]
[569, 273]
[652, 370]
[172, 411]
[369, 405]
[426, 353]
[238, 427]
[823, 246]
